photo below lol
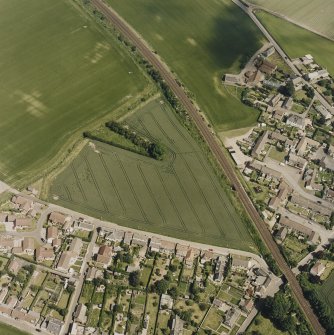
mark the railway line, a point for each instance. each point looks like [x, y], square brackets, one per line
[219, 154]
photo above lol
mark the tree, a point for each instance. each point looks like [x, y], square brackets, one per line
[289, 88]
[160, 286]
[172, 267]
[174, 292]
[202, 306]
[134, 278]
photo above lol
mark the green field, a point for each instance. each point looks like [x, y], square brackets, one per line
[179, 196]
[59, 72]
[200, 41]
[297, 41]
[9, 330]
[263, 326]
[316, 14]
[326, 291]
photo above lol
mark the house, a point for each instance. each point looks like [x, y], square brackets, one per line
[51, 233]
[56, 243]
[275, 99]
[231, 317]
[287, 104]
[181, 251]
[59, 218]
[54, 326]
[307, 59]
[297, 161]
[80, 314]
[15, 266]
[3, 294]
[128, 237]
[317, 75]
[312, 236]
[247, 305]
[75, 247]
[139, 239]
[23, 223]
[104, 255]
[311, 205]
[115, 235]
[278, 114]
[267, 67]
[327, 163]
[44, 253]
[241, 262]
[267, 53]
[306, 144]
[6, 243]
[206, 256]
[218, 275]
[83, 226]
[28, 245]
[65, 261]
[260, 144]
[21, 203]
[177, 326]
[253, 78]
[318, 269]
[155, 244]
[166, 301]
[167, 247]
[296, 121]
[189, 258]
[282, 194]
[323, 111]
[281, 234]
[298, 83]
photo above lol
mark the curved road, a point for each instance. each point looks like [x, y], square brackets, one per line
[216, 149]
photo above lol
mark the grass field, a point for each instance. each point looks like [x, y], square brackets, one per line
[179, 196]
[316, 14]
[200, 41]
[9, 330]
[59, 72]
[326, 291]
[262, 325]
[297, 41]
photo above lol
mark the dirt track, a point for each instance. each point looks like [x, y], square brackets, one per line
[216, 149]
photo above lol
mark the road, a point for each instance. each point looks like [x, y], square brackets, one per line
[216, 149]
[78, 286]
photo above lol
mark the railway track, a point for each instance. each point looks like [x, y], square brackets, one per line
[216, 149]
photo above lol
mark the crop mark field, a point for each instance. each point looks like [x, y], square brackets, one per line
[315, 14]
[179, 196]
[200, 41]
[59, 72]
[298, 42]
[9, 330]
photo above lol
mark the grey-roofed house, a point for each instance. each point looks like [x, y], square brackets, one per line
[75, 246]
[177, 326]
[139, 239]
[296, 121]
[128, 237]
[260, 144]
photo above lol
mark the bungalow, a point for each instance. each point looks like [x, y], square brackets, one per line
[181, 251]
[28, 245]
[231, 317]
[6, 243]
[65, 261]
[155, 244]
[167, 247]
[75, 246]
[323, 111]
[306, 144]
[218, 275]
[166, 301]
[296, 121]
[115, 235]
[80, 314]
[21, 223]
[128, 237]
[189, 258]
[260, 144]
[177, 326]
[327, 163]
[51, 233]
[297, 161]
[21, 203]
[15, 265]
[281, 234]
[59, 218]
[139, 239]
[318, 269]
[44, 253]
[104, 255]
[241, 262]
[298, 83]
